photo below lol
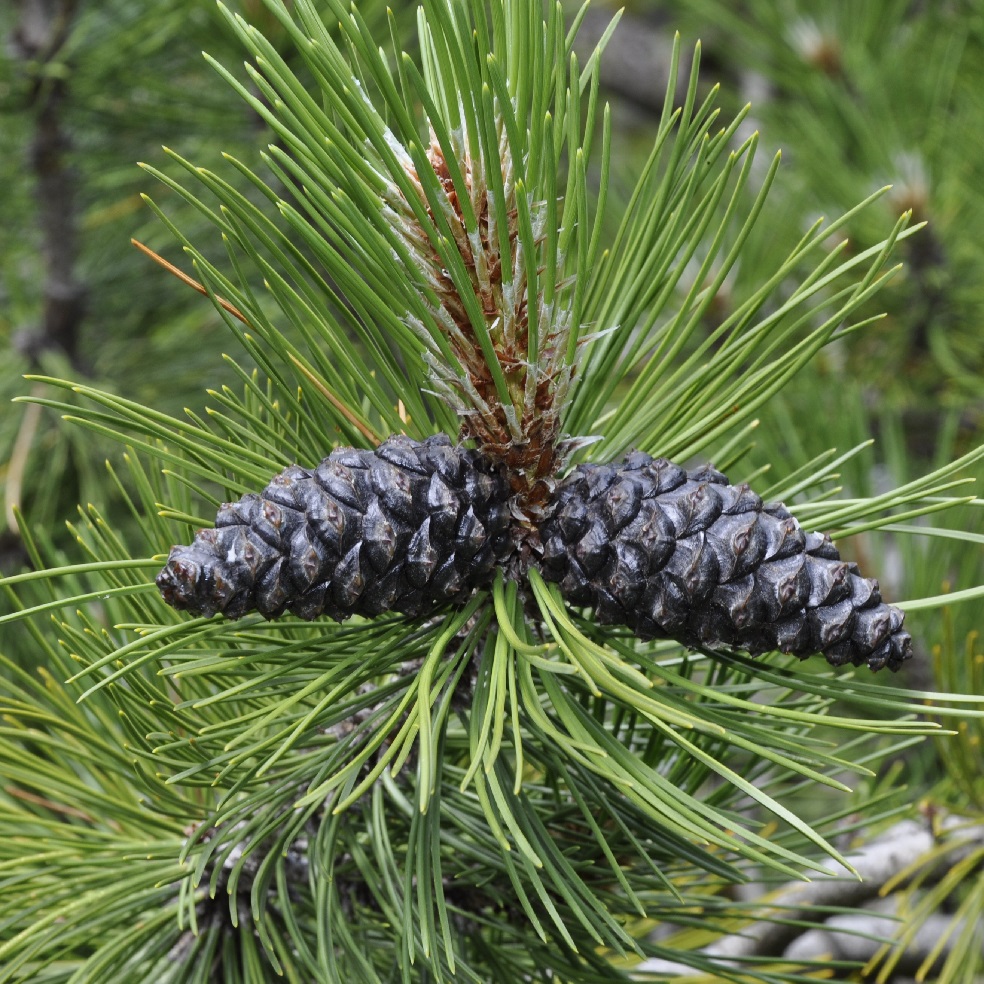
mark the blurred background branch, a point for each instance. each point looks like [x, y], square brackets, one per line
[39, 41]
[795, 921]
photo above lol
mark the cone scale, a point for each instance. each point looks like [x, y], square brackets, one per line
[644, 543]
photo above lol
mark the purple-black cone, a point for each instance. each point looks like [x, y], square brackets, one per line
[685, 555]
[645, 544]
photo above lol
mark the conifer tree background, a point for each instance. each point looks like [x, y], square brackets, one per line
[504, 783]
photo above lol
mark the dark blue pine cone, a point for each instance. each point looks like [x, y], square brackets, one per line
[411, 525]
[403, 528]
[687, 556]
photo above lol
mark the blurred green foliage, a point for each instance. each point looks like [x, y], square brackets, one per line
[134, 81]
[860, 96]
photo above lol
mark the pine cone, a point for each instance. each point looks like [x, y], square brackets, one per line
[668, 553]
[402, 528]
[685, 555]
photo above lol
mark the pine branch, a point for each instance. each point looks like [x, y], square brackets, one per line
[472, 775]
